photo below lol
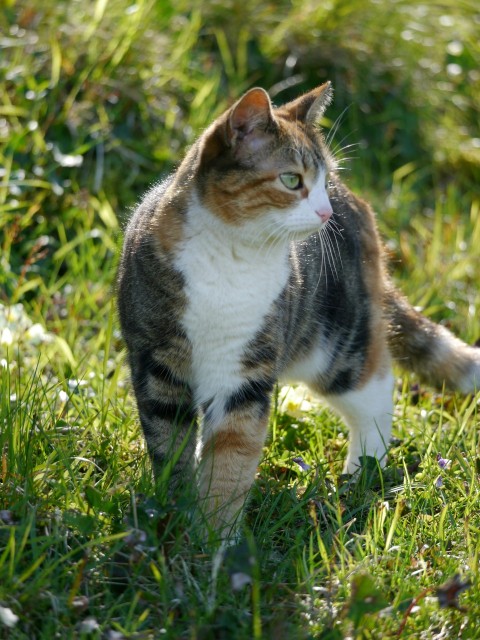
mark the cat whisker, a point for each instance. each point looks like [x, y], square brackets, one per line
[340, 159]
[336, 124]
[335, 226]
[323, 263]
[343, 159]
[343, 168]
[337, 233]
[327, 256]
[324, 259]
[338, 152]
[331, 254]
[339, 148]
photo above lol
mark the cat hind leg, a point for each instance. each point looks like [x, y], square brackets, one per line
[368, 412]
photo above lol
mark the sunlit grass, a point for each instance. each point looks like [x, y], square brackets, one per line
[99, 100]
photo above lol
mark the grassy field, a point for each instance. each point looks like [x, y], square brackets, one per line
[98, 101]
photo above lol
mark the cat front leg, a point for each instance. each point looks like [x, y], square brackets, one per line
[231, 447]
[368, 412]
[168, 418]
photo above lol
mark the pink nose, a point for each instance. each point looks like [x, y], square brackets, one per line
[324, 214]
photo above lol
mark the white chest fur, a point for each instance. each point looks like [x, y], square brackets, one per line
[230, 287]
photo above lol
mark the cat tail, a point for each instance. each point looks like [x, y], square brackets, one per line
[428, 349]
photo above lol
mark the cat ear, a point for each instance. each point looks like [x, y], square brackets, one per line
[244, 128]
[310, 107]
[250, 117]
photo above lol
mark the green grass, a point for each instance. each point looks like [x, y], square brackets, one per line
[99, 100]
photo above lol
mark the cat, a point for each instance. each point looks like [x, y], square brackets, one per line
[254, 263]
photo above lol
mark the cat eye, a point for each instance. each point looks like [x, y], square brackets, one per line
[291, 180]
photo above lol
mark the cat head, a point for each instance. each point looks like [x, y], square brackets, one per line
[268, 167]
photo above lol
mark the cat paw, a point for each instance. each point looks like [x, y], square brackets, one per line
[356, 464]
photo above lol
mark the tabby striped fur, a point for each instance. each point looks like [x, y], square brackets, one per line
[245, 268]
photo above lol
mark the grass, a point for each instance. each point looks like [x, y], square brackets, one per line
[94, 109]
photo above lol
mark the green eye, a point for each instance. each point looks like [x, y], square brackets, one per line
[291, 180]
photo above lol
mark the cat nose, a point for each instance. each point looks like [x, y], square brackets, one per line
[324, 214]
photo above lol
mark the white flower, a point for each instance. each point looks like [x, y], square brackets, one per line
[295, 401]
[7, 617]
[37, 334]
[15, 325]
[6, 337]
[240, 580]
[89, 625]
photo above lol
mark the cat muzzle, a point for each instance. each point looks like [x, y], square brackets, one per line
[324, 214]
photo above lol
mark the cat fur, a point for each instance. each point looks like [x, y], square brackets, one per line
[230, 281]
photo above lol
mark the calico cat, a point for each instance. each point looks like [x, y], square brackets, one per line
[254, 263]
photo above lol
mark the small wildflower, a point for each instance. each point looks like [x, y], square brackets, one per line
[6, 337]
[89, 625]
[36, 334]
[239, 562]
[135, 538]
[296, 401]
[67, 159]
[301, 463]
[114, 635]
[443, 463]
[75, 384]
[439, 482]
[80, 603]
[240, 580]
[15, 325]
[6, 517]
[7, 617]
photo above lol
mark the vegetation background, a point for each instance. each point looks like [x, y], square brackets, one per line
[99, 100]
